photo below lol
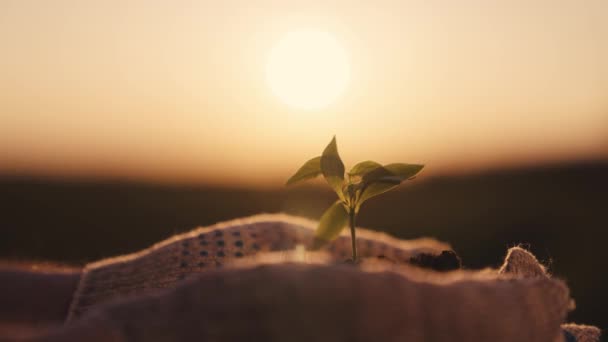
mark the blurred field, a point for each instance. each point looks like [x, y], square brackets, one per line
[559, 211]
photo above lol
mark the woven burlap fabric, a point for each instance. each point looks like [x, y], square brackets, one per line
[221, 283]
[582, 333]
[523, 263]
[313, 302]
[166, 263]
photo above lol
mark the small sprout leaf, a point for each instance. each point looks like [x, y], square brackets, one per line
[310, 169]
[385, 178]
[332, 222]
[363, 167]
[375, 189]
[332, 167]
[380, 174]
[404, 171]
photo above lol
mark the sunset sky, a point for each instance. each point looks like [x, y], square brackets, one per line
[179, 91]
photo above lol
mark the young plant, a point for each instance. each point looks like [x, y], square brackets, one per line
[364, 181]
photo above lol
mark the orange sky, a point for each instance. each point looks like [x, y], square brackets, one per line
[175, 90]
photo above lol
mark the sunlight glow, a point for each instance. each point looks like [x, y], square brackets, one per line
[308, 69]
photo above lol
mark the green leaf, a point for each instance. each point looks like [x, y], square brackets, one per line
[385, 178]
[375, 189]
[380, 174]
[332, 167]
[310, 169]
[404, 171]
[332, 222]
[396, 172]
[363, 167]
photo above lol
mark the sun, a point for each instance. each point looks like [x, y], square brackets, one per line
[308, 69]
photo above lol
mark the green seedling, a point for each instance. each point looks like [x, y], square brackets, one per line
[364, 181]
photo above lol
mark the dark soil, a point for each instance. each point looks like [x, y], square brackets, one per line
[446, 261]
